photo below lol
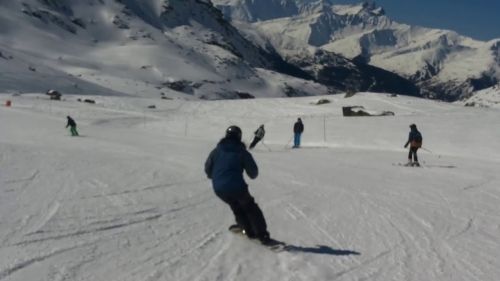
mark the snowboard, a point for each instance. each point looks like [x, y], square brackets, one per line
[273, 245]
[447, 166]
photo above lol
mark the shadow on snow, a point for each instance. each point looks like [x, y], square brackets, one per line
[321, 250]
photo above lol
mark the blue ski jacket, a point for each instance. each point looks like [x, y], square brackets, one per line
[414, 138]
[225, 166]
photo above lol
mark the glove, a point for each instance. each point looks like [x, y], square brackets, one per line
[406, 145]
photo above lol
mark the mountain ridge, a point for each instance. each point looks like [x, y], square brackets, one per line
[443, 63]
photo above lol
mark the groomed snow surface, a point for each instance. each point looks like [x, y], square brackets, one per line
[128, 199]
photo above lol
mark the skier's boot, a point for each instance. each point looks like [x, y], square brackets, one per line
[416, 164]
[236, 228]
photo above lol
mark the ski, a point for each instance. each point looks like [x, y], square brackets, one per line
[407, 165]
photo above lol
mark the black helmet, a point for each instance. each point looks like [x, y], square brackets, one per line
[413, 126]
[233, 132]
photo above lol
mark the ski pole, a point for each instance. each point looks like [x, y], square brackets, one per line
[427, 150]
[288, 142]
[266, 146]
[439, 156]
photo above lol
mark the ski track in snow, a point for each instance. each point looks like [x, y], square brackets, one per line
[21, 265]
[130, 201]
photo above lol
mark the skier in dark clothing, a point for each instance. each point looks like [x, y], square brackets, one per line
[298, 128]
[415, 142]
[72, 124]
[259, 135]
[225, 166]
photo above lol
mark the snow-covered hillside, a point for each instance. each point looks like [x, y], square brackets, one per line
[446, 64]
[485, 98]
[179, 48]
[128, 200]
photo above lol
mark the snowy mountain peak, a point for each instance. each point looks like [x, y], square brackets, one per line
[449, 66]
[373, 8]
[370, 8]
[262, 10]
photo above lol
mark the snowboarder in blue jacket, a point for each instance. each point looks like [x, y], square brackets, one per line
[225, 166]
[415, 142]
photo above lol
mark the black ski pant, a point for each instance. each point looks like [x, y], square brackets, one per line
[246, 212]
[413, 153]
[254, 142]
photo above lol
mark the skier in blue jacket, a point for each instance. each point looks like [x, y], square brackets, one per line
[225, 166]
[298, 129]
[415, 142]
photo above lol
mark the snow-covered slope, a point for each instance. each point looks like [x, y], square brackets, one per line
[489, 97]
[446, 64]
[136, 48]
[128, 200]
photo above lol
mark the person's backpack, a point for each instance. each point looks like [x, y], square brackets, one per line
[419, 137]
[417, 140]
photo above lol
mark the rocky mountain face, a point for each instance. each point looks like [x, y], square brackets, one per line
[342, 74]
[178, 13]
[443, 63]
[152, 46]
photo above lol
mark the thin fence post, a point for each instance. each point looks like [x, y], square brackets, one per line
[324, 129]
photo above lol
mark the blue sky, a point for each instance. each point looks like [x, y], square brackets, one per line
[479, 19]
